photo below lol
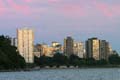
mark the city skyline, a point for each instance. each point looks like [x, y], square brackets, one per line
[53, 20]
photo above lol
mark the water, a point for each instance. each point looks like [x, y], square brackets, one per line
[64, 74]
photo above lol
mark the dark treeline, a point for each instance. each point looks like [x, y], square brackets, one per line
[62, 60]
[9, 56]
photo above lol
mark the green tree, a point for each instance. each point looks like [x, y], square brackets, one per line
[60, 59]
[9, 56]
[90, 62]
[114, 59]
[102, 62]
[45, 61]
[74, 60]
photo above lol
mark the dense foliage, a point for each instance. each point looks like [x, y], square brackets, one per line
[114, 59]
[62, 60]
[9, 56]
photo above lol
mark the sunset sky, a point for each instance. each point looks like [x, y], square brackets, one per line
[53, 20]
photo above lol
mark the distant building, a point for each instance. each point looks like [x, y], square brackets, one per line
[43, 49]
[50, 51]
[58, 48]
[68, 46]
[13, 42]
[55, 44]
[93, 48]
[37, 50]
[25, 39]
[47, 50]
[104, 50]
[79, 49]
[111, 50]
[97, 49]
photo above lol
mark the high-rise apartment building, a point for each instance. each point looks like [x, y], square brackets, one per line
[97, 49]
[68, 46]
[104, 50]
[93, 48]
[79, 49]
[25, 39]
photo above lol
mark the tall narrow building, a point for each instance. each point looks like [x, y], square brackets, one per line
[79, 49]
[68, 46]
[25, 39]
[104, 49]
[93, 48]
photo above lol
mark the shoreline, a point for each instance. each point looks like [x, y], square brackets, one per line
[61, 67]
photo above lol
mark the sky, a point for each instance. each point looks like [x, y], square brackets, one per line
[53, 20]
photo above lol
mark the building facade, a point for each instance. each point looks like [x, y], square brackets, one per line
[25, 39]
[97, 49]
[37, 50]
[13, 42]
[68, 46]
[79, 49]
[104, 50]
[58, 48]
[55, 44]
[43, 50]
[93, 48]
[46, 50]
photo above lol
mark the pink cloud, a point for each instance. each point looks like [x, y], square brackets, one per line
[28, 1]
[109, 10]
[19, 8]
[116, 10]
[68, 9]
[77, 10]
[72, 10]
[53, 1]
[104, 8]
[2, 8]
[24, 9]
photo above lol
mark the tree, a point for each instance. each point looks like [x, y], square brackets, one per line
[36, 60]
[114, 59]
[9, 56]
[45, 61]
[60, 59]
[102, 62]
[90, 62]
[74, 60]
